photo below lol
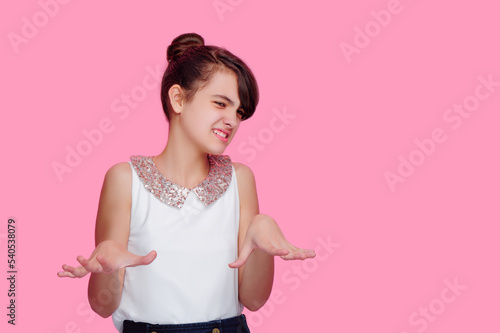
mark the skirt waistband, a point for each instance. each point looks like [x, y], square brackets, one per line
[236, 324]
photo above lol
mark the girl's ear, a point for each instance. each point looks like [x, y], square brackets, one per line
[175, 93]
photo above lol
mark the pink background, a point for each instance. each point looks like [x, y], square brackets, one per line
[321, 173]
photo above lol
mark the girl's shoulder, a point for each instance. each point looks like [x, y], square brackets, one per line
[244, 174]
[118, 170]
[247, 191]
[240, 167]
[119, 176]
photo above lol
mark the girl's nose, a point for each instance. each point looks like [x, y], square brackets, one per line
[231, 119]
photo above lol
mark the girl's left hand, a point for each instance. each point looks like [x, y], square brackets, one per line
[264, 233]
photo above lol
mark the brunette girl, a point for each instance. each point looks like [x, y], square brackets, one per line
[180, 243]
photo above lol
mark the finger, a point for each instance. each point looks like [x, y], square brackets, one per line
[143, 260]
[296, 252]
[105, 265]
[148, 258]
[67, 267]
[82, 260]
[75, 272]
[92, 266]
[311, 253]
[242, 258]
[65, 274]
[308, 253]
[300, 254]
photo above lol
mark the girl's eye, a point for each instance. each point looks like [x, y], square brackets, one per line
[220, 104]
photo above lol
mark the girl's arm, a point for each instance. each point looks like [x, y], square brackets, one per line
[259, 239]
[108, 261]
[256, 276]
[112, 223]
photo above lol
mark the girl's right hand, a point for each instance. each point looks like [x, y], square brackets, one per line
[108, 257]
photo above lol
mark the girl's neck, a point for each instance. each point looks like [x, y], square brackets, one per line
[183, 165]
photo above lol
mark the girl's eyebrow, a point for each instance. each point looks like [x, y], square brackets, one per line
[227, 99]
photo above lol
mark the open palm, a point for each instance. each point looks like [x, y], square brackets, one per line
[108, 257]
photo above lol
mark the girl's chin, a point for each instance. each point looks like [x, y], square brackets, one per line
[218, 148]
[217, 151]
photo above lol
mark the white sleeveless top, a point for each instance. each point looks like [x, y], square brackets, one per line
[195, 234]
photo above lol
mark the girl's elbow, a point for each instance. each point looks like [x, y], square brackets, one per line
[254, 307]
[102, 311]
[254, 304]
[103, 300]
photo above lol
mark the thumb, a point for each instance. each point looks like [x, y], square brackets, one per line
[242, 258]
[144, 260]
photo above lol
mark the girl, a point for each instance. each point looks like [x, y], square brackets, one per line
[180, 243]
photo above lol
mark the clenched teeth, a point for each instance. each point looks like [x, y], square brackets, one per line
[220, 133]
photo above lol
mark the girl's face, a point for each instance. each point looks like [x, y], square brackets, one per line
[213, 116]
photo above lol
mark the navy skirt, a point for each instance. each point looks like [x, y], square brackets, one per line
[236, 324]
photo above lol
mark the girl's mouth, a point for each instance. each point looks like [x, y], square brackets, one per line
[221, 135]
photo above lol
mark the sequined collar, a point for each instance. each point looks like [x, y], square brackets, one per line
[208, 191]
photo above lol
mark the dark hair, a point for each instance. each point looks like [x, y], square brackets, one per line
[191, 64]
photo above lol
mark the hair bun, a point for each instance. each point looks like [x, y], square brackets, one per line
[181, 43]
